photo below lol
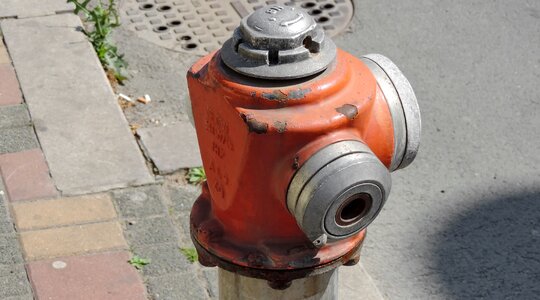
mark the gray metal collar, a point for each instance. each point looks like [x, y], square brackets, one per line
[278, 42]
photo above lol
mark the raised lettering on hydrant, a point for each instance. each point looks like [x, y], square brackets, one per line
[298, 139]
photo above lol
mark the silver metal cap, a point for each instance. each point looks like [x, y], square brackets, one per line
[278, 42]
[403, 106]
[338, 192]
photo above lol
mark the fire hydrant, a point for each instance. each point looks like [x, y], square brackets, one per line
[298, 139]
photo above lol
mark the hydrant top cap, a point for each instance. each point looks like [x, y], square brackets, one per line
[278, 42]
[277, 22]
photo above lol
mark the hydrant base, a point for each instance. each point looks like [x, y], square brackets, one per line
[278, 278]
[320, 287]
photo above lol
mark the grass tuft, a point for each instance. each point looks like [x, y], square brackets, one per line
[103, 18]
[138, 262]
[196, 175]
[190, 254]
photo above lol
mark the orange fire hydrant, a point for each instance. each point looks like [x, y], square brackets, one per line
[298, 139]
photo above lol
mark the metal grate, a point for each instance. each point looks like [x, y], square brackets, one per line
[201, 26]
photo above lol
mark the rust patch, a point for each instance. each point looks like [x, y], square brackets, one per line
[256, 259]
[254, 125]
[299, 94]
[348, 110]
[195, 75]
[296, 163]
[280, 96]
[275, 95]
[281, 127]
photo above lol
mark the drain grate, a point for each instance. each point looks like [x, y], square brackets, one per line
[201, 26]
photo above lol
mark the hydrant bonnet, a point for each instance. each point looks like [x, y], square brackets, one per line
[279, 42]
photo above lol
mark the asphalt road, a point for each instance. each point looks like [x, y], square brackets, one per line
[463, 221]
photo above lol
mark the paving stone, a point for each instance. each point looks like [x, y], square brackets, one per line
[10, 94]
[100, 276]
[211, 276]
[13, 282]
[9, 250]
[4, 56]
[176, 286]
[65, 211]
[171, 147]
[32, 8]
[6, 226]
[355, 281]
[183, 196]
[18, 169]
[25, 297]
[164, 259]
[150, 231]
[71, 240]
[17, 139]
[139, 202]
[14, 116]
[181, 219]
[82, 130]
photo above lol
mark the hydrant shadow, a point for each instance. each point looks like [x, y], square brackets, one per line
[493, 251]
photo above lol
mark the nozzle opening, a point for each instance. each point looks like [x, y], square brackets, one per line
[353, 209]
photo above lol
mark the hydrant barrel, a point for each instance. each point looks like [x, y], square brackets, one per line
[298, 139]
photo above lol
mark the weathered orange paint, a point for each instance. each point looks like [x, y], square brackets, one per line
[254, 134]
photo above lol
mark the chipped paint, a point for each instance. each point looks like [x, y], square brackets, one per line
[254, 125]
[281, 96]
[348, 110]
[296, 163]
[275, 95]
[299, 94]
[281, 126]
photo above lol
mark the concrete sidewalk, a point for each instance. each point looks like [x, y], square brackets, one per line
[78, 199]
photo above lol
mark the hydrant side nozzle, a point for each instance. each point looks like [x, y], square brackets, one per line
[403, 107]
[338, 192]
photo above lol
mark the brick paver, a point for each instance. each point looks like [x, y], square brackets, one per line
[101, 276]
[64, 211]
[72, 240]
[10, 93]
[26, 175]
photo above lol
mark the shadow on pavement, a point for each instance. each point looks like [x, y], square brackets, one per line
[493, 251]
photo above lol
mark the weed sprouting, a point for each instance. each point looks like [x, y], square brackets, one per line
[102, 19]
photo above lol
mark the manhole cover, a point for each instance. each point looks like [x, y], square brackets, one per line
[201, 26]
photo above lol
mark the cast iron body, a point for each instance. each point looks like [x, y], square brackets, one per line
[269, 144]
